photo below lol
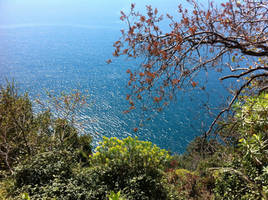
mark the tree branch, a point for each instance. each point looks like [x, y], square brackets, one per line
[244, 73]
[233, 100]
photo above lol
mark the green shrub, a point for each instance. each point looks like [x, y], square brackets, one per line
[16, 127]
[189, 185]
[130, 151]
[131, 166]
[197, 151]
[43, 168]
[56, 174]
[252, 116]
[245, 176]
[50, 175]
[5, 185]
[115, 196]
[68, 189]
[134, 183]
[24, 134]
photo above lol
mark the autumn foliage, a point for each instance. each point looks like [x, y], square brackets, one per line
[231, 36]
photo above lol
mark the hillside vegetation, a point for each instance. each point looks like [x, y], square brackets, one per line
[45, 157]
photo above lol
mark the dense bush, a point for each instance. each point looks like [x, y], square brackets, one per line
[24, 134]
[43, 167]
[50, 175]
[198, 150]
[57, 174]
[130, 151]
[190, 185]
[16, 127]
[246, 175]
[132, 182]
[49, 159]
[131, 166]
[233, 169]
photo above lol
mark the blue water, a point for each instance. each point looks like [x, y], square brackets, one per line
[65, 53]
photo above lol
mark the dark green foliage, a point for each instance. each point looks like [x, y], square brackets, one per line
[43, 167]
[17, 127]
[65, 134]
[197, 151]
[56, 174]
[53, 161]
[24, 134]
[134, 183]
[246, 175]
[230, 185]
[50, 175]
[66, 137]
[44, 148]
[131, 166]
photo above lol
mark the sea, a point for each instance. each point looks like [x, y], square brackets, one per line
[60, 46]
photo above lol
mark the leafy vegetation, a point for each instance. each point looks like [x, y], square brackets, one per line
[60, 164]
[130, 151]
[17, 127]
[45, 156]
[131, 166]
[245, 176]
[25, 134]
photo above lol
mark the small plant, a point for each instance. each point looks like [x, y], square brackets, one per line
[25, 196]
[115, 196]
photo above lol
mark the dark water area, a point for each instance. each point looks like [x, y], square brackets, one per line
[61, 53]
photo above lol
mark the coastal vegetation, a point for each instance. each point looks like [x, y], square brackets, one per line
[52, 161]
[44, 154]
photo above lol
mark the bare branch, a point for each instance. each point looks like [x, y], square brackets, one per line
[244, 73]
[233, 100]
